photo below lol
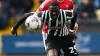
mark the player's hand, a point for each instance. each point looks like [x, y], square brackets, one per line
[14, 31]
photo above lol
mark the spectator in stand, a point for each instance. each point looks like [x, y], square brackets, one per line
[28, 4]
[86, 10]
[4, 14]
[76, 3]
[16, 8]
[19, 7]
[97, 8]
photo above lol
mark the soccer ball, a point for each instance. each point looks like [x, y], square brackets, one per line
[32, 23]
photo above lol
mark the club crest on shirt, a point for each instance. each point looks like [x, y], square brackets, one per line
[67, 6]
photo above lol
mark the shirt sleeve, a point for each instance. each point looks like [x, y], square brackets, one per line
[44, 6]
[69, 14]
[39, 15]
[73, 21]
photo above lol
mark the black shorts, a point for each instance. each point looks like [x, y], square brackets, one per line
[65, 43]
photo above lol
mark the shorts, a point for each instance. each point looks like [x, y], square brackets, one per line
[65, 43]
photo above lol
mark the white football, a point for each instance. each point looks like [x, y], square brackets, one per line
[32, 23]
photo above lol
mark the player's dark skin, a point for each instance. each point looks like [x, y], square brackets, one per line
[24, 17]
[21, 21]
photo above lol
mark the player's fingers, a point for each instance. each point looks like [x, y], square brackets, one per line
[76, 28]
[11, 30]
[16, 33]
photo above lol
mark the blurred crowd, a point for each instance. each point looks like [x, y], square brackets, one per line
[13, 8]
[87, 10]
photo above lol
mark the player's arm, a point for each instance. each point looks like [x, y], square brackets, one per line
[74, 25]
[22, 20]
[72, 17]
[44, 6]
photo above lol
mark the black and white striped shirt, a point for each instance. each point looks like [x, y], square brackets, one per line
[56, 27]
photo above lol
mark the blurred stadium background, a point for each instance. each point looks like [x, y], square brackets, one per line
[30, 43]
